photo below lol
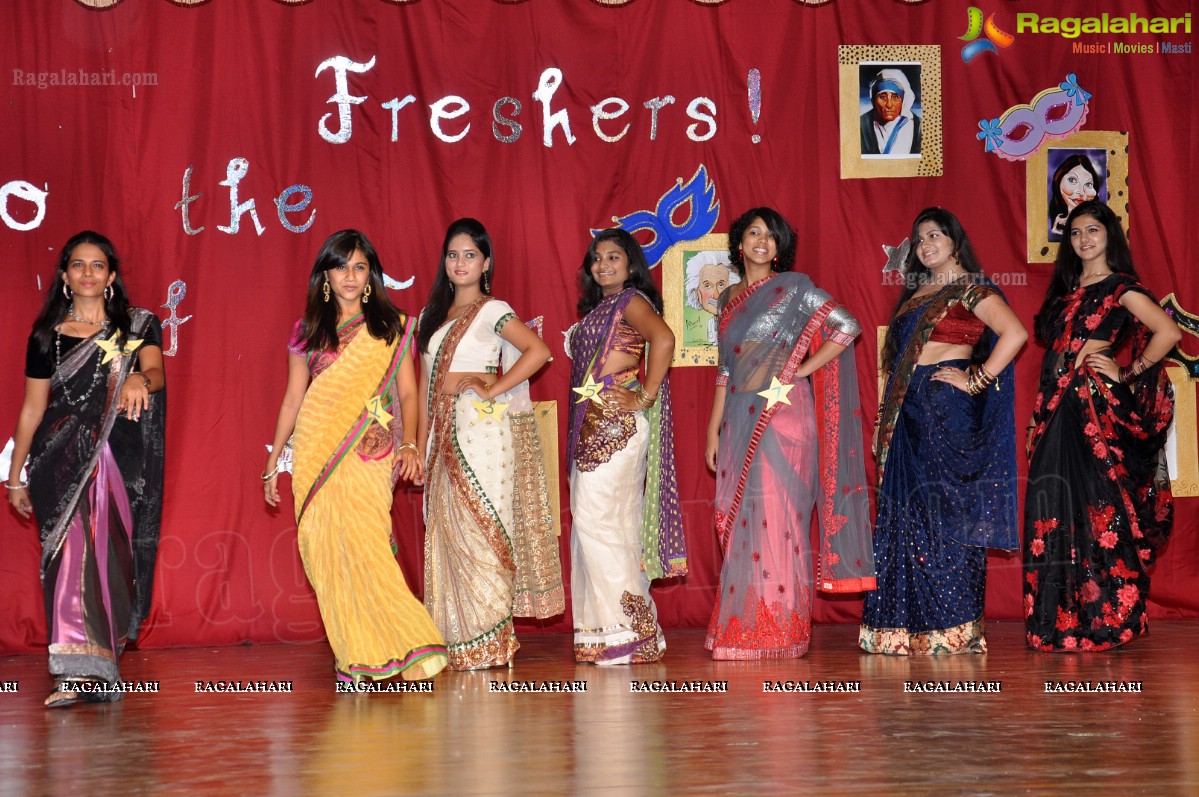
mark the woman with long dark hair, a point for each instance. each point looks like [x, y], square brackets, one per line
[624, 500]
[92, 424]
[786, 355]
[490, 549]
[945, 448]
[351, 401]
[1098, 506]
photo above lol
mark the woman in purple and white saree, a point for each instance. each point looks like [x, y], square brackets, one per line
[624, 501]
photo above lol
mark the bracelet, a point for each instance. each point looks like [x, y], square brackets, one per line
[266, 477]
[17, 486]
[978, 379]
[146, 379]
[1126, 375]
[412, 446]
[645, 400]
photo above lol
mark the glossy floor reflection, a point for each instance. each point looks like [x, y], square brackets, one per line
[466, 739]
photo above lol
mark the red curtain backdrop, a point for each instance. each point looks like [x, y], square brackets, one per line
[195, 88]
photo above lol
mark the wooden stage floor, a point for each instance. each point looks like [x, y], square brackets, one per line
[467, 739]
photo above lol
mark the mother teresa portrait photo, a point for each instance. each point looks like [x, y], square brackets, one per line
[890, 101]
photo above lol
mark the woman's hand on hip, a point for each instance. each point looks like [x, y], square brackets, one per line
[1105, 365]
[474, 383]
[955, 377]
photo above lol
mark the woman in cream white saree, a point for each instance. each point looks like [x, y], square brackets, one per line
[490, 550]
[351, 400]
[624, 500]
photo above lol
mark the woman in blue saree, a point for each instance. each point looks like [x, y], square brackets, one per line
[944, 447]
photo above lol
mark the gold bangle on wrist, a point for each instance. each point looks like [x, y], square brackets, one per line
[411, 446]
[645, 400]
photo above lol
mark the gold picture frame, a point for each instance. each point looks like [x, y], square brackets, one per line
[546, 415]
[1106, 151]
[920, 61]
[691, 324]
[1182, 445]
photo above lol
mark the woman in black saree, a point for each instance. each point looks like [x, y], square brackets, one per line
[92, 424]
[1098, 506]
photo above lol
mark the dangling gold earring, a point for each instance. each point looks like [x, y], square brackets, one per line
[366, 294]
[326, 289]
[486, 281]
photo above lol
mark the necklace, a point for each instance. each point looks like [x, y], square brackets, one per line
[75, 402]
[1087, 280]
[71, 312]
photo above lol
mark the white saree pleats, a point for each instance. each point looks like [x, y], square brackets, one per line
[469, 568]
[615, 621]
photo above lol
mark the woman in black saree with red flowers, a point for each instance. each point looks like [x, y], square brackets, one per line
[1098, 506]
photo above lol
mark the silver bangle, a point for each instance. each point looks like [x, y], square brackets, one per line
[266, 477]
[24, 486]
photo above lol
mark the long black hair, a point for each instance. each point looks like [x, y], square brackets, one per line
[1068, 267]
[441, 296]
[590, 293]
[784, 238]
[54, 309]
[916, 275]
[1057, 205]
[318, 328]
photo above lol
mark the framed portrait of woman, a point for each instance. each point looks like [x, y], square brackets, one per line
[890, 110]
[694, 275]
[1087, 165]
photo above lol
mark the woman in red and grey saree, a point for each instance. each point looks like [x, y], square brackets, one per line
[490, 549]
[92, 423]
[781, 445]
[1098, 506]
[351, 401]
[624, 501]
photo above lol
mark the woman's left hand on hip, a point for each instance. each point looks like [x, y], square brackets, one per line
[1104, 365]
[620, 398]
[954, 376]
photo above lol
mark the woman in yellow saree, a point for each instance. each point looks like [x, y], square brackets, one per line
[351, 402]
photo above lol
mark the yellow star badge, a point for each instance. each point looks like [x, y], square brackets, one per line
[490, 409]
[113, 348]
[589, 390]
[375, 407]
[776, 393]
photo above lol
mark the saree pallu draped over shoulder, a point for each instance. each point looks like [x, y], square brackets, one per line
[1099, 506]
[490, 548]
[627, 525]
[95, 481]
[947, 492]
[346, 442]
[787, 445]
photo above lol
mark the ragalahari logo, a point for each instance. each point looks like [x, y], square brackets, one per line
[994, 37]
